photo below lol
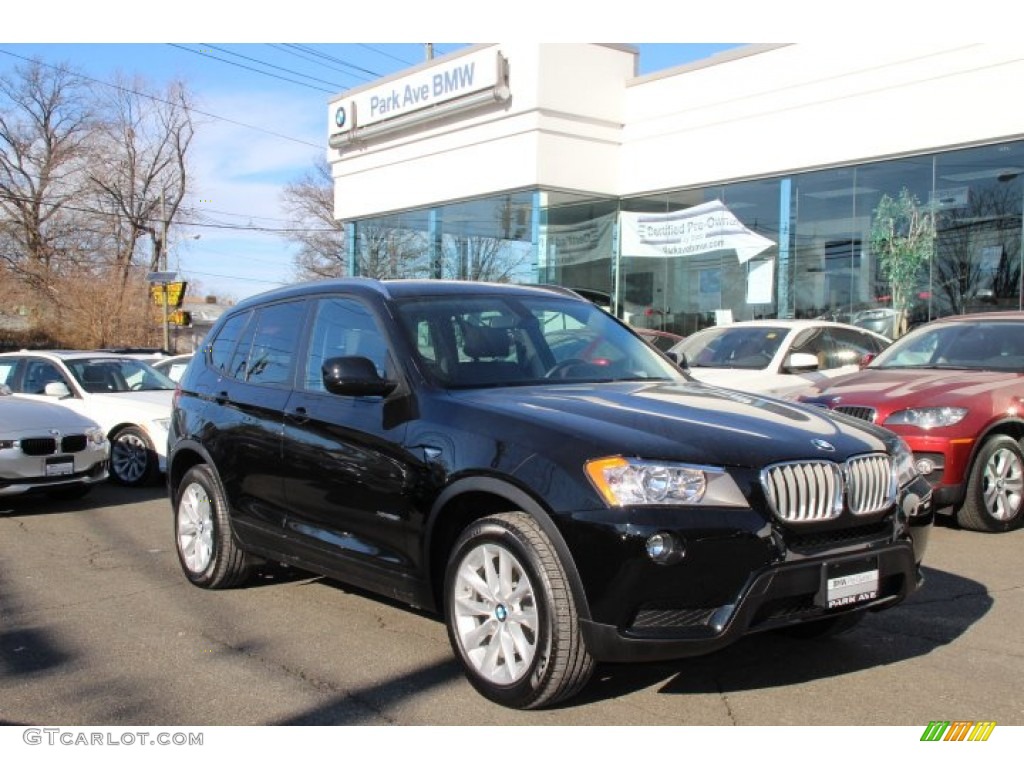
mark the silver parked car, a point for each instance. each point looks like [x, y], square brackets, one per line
[46, 448]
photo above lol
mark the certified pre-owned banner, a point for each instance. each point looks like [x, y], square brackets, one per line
[701, 229]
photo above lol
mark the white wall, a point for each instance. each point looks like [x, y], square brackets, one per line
[803, 106]
[578, 120]
[561, 129]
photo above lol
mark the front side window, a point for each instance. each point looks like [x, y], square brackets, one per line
[39, 373]
[110, 374]
[343, 327]
[742, 347]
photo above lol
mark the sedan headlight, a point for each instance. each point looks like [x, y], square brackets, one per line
[927, 418]
[96, 436]
[636, 482]
[903, 467]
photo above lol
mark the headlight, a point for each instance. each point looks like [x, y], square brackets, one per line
[927, 418]
[631, 482]
[903, 467]
[96, 436]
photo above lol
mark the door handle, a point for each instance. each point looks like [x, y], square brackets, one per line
[299, 415]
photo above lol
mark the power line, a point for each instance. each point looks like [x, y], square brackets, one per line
[385, 53]
[335, 59]
[164, 101]
[318, 62]
[251, 69]
[273, 66]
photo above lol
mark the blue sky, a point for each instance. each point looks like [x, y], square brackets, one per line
[262, 125]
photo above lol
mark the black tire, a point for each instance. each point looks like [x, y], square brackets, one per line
[994, 497]
[823, 629]
[69, 492]
[556, 664]
[209, 555]
[133, 461]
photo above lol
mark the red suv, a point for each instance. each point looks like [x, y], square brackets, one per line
[954, 390]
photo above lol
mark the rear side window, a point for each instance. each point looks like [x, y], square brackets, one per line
[272, 354]
[224, 345]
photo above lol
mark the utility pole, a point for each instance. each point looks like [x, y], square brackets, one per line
[430, 50]
[162, 267]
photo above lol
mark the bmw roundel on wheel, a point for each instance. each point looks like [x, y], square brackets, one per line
[558, 503]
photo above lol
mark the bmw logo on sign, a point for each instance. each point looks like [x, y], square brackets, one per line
[340, 117]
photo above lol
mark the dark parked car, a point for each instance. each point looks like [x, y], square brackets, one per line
[954, 390]
[421, 439]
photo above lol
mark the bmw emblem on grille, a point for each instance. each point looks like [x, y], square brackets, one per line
[823, 445]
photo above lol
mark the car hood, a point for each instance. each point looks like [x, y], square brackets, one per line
[19, 417]
[916, 387]
[682, 422]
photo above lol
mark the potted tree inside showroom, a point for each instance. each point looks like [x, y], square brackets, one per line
[903, 240]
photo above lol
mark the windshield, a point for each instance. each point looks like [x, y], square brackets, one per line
[972, 345]
[500, 340]
[743, 347]
[114, 374]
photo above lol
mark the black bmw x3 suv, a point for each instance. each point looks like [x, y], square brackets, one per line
[521, 462]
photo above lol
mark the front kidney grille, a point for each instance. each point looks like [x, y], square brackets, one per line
[804, 492]
[869, 484]
[857, 411]
[38, 446]
[814, 491]
[73, 443]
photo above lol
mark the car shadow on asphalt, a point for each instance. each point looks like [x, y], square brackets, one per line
[936, 615]
[106, 494]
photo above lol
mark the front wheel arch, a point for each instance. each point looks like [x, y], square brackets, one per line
[472, 498]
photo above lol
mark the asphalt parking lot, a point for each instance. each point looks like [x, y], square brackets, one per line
[99, 627]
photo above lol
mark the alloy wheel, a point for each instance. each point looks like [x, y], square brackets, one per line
[129, 457]
[195, 528]
[495, 613]
[1003, 484]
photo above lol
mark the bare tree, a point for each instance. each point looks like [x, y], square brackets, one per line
[483, 258]
[141, 174]
[387, 251]
[319, 236]
[45, 134]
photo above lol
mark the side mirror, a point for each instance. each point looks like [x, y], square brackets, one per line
[679, 359]
[354, 377]
[801, 362]
[57, 389]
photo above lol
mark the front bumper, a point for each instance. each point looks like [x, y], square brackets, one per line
[17, 486]
[774, 598]
[738, 573]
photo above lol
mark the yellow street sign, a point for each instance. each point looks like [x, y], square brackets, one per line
[175, 293]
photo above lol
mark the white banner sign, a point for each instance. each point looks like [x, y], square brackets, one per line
[701, 229]
[567, 244]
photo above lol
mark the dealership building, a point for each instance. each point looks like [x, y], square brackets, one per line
[741, 186]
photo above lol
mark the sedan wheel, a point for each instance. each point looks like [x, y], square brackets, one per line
[132, 458]
[995, 490]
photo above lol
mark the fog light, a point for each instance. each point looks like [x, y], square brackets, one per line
[925, 466]
[664, 548]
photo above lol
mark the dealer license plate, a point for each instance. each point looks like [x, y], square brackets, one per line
[60, 466]
[849, 583]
